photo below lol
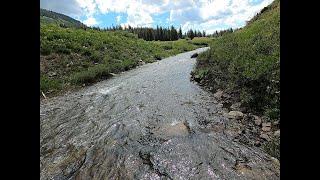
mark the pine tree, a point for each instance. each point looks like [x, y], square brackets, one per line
[180, 33]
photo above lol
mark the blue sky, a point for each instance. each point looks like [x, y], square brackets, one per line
[208, 15]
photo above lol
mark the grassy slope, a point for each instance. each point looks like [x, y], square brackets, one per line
[70, 57]
[246, 64]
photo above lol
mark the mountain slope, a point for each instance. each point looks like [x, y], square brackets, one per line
[59, 19]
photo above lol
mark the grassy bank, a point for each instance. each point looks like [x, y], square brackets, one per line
[246, 64]
[71, 57]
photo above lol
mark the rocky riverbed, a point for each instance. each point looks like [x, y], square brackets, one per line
[148, 123]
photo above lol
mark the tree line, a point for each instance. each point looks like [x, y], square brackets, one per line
[163, 34]
[222, 32]
[156, 34]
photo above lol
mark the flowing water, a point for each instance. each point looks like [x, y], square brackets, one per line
[151, 122]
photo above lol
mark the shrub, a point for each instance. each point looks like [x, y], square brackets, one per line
[47, 84]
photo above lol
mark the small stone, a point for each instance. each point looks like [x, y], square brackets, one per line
[241, 132]
[257, 143]
[276, 123]
[277, 133]
[275, 161]
[51, 74]
[235, 114]
[266, 126]
[194, 55]
[141, 62]
[265, 136]
[220, 105]
[235, 106]
[266, 129]
[257, 120]
[158, 58]
[218, 94]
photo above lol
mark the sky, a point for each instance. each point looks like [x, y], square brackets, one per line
[207, 15]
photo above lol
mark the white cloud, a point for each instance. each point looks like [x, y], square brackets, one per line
[88, 6]
[220, 14]
[91, 21]
[118, 19]
[68, 7]
[209, 15]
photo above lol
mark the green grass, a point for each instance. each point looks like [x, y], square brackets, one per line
[77, 56]
[205, 41]
[246, 63]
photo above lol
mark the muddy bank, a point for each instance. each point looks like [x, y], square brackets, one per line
[148, 123]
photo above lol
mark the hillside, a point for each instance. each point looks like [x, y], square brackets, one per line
[245, 66]
[59, 19]
[72, 57]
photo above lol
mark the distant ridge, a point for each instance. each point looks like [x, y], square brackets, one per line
[47, 16]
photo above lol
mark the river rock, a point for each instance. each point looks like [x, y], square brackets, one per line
[51, 74]
[235, 106]
[218, 94]
[265, 136]
[235, 115]
[257, 120]
[266, 127]
[158, 58]
[257, 143]
[141, 62]
[194, 55]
